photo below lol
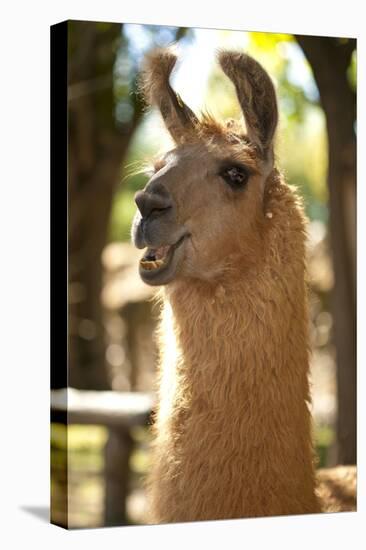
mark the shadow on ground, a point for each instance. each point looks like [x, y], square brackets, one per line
[40, 512]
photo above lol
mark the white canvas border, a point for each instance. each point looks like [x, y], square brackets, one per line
[24, 216]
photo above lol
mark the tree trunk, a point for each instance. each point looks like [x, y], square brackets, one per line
[329, 59]
[97, 146]
[96, 151]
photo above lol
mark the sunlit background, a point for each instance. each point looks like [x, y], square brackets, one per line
[202, 85]
[112, 317]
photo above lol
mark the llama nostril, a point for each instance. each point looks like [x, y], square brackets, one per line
[158, 211]
[152, 203]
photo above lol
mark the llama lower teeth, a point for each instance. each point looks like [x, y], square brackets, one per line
[150, 265]
[154, 258]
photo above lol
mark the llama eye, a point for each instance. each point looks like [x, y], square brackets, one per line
[235, 176]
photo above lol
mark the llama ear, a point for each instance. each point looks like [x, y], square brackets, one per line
[256, 95]
[178, 117]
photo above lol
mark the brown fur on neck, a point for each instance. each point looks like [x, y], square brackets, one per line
[233, 430]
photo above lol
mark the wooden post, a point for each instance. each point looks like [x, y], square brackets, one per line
[117, 454]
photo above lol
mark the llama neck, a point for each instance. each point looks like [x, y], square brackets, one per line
[249, 337]
[234, 390]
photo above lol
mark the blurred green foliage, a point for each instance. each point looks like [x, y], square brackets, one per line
[352, 71]
[324, 439]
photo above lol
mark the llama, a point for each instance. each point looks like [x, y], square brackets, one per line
[225, 238]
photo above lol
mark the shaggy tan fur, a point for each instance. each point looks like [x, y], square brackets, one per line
[337, 488]
[233, 427]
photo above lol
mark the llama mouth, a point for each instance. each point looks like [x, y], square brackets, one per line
[157, 259]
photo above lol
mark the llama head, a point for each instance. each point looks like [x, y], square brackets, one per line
[202, 212]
